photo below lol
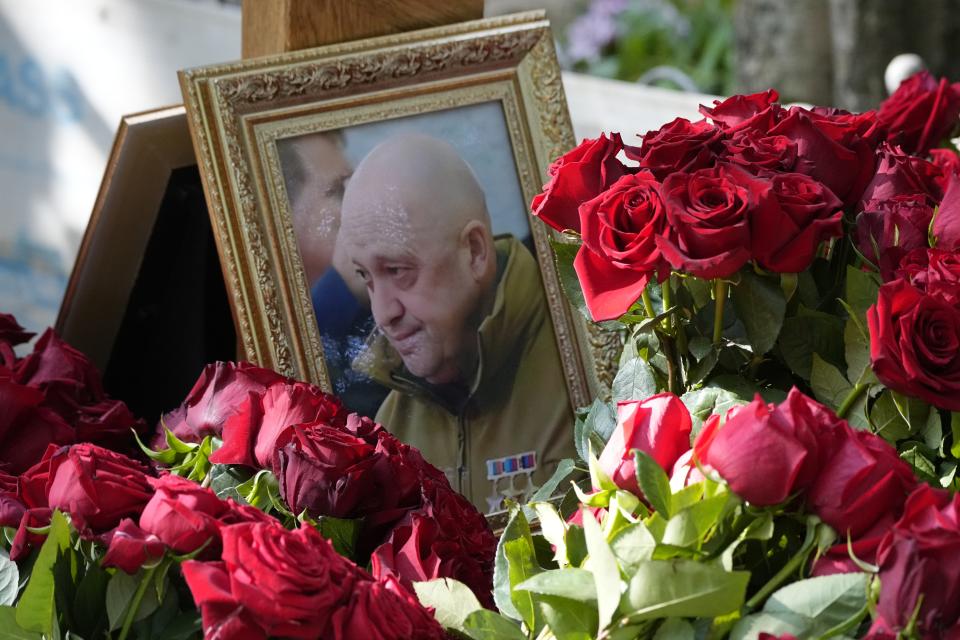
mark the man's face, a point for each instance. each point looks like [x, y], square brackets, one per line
[423, 298]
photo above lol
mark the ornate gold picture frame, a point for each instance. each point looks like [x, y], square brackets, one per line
[242, 115]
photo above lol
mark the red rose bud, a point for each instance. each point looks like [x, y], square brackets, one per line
[578, 176]
[708, 215]
[861, 482]
[844, 163]
[250, 435]
[757, 111]
[921, 112]
[659, 426]
[785, 239]
[27, 428]
[918, 567]
[217, 394]
[915, 343]
[679, 145]
[948, 217]
[129, 547]
[384, 611]
[272, 582]
[97, 487]
[182, 514]
[767, 453]
[619, 252]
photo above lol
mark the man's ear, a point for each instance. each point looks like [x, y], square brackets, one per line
[476, 239]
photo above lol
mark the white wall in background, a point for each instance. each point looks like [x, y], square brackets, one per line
[69, 69]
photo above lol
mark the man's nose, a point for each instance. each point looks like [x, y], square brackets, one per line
[385, 306]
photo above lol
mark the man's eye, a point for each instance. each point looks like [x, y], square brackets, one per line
[362, 274]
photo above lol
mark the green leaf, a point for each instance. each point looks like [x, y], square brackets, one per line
[653, 482]
[702, 403]
[857, 354]
[89, 614]
[691, 525]
[807, 333]
[569, 619]
[606, 574]
[563, 256]
[549, 488]
[862, 290]
[683, 589]
[517, 527]
[759, 529]
[829, 385]
[341, 532]
[750, 627]
[120, 592]
[554, 530]
[594, 428]
[675, 629]
[487, 625]
[36, 610]
[452, 601]
[923, 467]
[9, 579]
[522, 559]
[574, 584]
[576, 542]
[886, 421]
[12, 630]
[760, 306]
[955, 430]
[634, 381]
[225, 478]
[632, 546]
[703, 367]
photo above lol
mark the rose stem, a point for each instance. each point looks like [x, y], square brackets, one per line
[851, 399]
[648, 304]
[135, 603]
[721, 297]
[666, 294]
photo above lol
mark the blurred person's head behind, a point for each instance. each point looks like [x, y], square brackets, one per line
[416, 228]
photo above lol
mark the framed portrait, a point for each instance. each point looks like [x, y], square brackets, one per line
[148, 254]
[370, 202]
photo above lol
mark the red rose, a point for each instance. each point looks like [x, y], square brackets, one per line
[898, 175]
[842, 162]
[837, 558]
[685, 472]
[11, 334]
[862, 481]
[755, 151]
[659, 426]
[785, 240]
[918, 568]
[97, 487]
[249, 436]
[326, 472]
[794, 437]
[27, 427]
[948, 217]
[29, 499]
[847, 128]
[182, 514]
[216, 396]
[893, 228]
[934, 272]
[679, 145]
[384, 611]
[66, 376]
[578, 176]
[619, 252]
[921, 112]
[129, 547]
[708, 215]
[757, 112]
[948, 162]
[272, 582]
[915, 344]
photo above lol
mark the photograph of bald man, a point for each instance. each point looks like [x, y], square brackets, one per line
[463, 335]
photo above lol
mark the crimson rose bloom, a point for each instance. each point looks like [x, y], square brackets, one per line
[250, 435]
[756, 112]
[918, 566]
[578, 176]
[861, 482]
[765, 452]
[948, 217]
[892, 228]
[785, 240]
[659, 426]
[756, 152]
[619, 252]
[921, 112]
[271, 582]
[679, 145]
[26, 426]
[898, 175]
[384, 611]
[11, 334]
[948, 162]
[182, 514]
[915, 344]
[934, 272]
[708, 214]
[129, 547]
[218, 393]
[97, 487]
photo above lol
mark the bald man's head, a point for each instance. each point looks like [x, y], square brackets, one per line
[415, 224]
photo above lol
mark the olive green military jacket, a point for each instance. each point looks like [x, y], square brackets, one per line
[517, 402]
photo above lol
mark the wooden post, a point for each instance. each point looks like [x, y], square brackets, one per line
[278, 26]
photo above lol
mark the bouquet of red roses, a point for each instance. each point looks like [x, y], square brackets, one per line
[778, 457]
